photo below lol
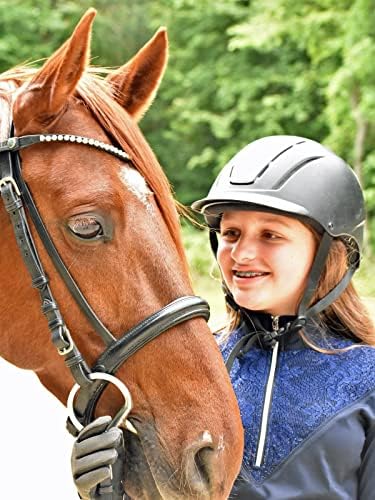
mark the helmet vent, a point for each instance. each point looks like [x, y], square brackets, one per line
[293, 170]
[241, 173]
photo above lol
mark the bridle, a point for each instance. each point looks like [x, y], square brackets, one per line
[90, 382]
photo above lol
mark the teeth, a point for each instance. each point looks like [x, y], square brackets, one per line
[248, 274]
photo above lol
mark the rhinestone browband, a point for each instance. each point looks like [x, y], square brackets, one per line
[16, 143]
[85, 140]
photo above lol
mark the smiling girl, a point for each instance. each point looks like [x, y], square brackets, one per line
[286, 218]
[257, 255]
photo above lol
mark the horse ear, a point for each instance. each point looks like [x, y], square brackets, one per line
[135, 83]
[47, 92]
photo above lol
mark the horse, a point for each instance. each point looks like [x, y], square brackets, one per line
[90, 221]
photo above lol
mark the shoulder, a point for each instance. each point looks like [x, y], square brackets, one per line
[360, 360]
[226, 341]
[338, 369]
[349, 367]
[339, 342]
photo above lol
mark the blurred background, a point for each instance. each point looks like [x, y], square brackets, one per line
[238, 70]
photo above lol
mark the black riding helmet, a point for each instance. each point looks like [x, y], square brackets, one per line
[301, 178]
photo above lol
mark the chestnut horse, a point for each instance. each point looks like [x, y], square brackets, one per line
[107, 207]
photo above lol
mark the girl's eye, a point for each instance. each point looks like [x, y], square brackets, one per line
[229, 234]
[86, 227]
[268, 235]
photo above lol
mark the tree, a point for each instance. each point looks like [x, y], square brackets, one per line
[241, 70]
[32, 30]
[238, 70]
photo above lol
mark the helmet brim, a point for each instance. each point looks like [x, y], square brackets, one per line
[212, 209]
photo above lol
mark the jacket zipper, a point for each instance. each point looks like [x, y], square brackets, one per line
[267, 398]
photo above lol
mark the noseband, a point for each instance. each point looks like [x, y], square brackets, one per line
[91, 382]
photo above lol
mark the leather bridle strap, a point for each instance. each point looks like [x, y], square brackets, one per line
[15, 193]
[76, 293]
[180, 310]
[60, 335]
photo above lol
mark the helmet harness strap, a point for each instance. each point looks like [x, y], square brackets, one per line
[304, 311]
[301, 178]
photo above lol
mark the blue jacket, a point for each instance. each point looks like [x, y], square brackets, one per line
[310, 430]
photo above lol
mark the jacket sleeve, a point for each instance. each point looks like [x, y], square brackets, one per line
[366, 487]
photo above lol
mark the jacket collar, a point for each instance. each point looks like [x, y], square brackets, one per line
[262, 323]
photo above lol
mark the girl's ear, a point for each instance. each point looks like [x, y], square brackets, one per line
[135, 84]
[46, 94]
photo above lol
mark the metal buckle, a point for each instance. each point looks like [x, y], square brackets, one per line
[10, 179]
[12, 142]
[9, 145]
[66, 350]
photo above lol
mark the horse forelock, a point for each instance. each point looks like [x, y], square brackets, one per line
[97, 95]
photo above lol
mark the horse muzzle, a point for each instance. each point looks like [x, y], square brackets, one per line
[149, 474]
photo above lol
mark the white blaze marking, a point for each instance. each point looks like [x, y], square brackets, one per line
[137, 185]
[206, 436]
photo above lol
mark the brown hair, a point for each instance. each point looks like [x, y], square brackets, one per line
[347, 315]
[96, 93]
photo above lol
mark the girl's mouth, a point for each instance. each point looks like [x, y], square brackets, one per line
[249, 274]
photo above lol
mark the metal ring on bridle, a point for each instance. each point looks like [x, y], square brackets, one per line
[18, 200]
[120, 416]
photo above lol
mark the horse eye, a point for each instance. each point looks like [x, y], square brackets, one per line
[86, 227]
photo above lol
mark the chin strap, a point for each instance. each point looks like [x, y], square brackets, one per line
[267, 338]
[305, 311]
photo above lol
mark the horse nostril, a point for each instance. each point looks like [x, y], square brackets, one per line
[203, 466]
[203, 461]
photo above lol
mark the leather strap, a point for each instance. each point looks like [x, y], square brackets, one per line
[71, 285]
[180, 310]
[10, 193]
[15, 193]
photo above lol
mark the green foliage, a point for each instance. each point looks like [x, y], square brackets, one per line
[241, 70]
[238, 70]
[364, 278]
[198, 251]
[32, 30]
[204, 270]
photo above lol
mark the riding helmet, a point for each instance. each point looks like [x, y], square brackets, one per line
[294, 176]
[301, 178]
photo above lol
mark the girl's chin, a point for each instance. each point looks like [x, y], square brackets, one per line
[263, 307]
[248, 304]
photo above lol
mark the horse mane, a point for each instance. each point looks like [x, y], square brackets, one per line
[98, 95]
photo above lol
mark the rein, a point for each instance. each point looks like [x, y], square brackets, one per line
[90, 382]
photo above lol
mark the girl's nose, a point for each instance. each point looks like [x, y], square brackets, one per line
[244, 251]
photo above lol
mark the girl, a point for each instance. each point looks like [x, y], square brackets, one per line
[286, 218]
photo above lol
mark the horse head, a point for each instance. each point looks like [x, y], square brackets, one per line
[109, 211]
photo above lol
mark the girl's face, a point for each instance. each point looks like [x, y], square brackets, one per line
[265, 260]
